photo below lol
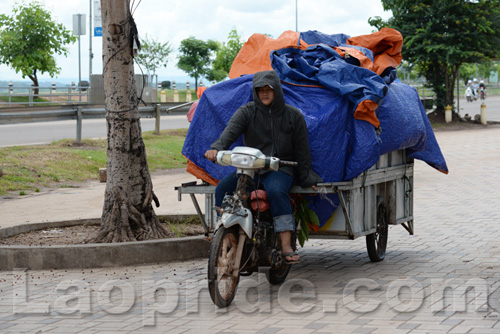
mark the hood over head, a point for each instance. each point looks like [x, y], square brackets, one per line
[268, 78]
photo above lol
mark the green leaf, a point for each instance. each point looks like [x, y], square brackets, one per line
[31, 38]
[303, 236]
[312, 217]
[441, 35]
[304, 215]
[196, 57]
[153, 54]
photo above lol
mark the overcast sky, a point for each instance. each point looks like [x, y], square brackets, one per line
[175, 20]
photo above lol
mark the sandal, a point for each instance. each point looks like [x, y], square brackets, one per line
[291, 254]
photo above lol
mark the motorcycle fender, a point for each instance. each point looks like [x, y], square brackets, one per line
[229, 219]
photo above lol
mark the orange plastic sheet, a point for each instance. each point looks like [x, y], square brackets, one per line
[386, 46]
[200, 173]
[254, 55]
[364, 61]
[365, 110]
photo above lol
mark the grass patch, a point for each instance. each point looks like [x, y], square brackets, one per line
[64, 163]
[21, 99]
[181, 228]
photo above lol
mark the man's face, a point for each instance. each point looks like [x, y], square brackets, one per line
[266, 95]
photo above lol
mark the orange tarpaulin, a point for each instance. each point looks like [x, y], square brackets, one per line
[385, 44]
[254, 55]
[200, 173]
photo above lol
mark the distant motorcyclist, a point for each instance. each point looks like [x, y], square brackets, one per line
[482, 90]
[475, 88]
[468, 93]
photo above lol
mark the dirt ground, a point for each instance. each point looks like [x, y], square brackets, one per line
[439, 124]
[80, 234]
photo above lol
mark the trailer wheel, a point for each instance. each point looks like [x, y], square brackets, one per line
[376, 243]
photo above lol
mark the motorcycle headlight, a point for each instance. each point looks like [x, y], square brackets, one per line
[242, 160]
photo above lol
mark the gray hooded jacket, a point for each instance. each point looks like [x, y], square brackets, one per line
[277, 130]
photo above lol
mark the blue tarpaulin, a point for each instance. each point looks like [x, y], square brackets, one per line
[327, 89]
[342, 147]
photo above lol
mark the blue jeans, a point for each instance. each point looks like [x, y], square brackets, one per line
[277, 185]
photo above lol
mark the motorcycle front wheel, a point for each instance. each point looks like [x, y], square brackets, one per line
[223, 278]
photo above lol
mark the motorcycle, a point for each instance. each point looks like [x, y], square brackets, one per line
[244, 240]
[482, 93]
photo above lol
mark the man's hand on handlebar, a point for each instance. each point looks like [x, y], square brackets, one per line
[211, 154]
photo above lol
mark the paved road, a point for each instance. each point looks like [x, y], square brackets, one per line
[422, 286]
[46, 132]
[473, 108]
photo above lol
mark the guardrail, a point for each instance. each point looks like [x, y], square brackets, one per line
[53, 95]
[79, 113]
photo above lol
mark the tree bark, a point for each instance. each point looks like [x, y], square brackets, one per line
[34, 78]
[128, 214]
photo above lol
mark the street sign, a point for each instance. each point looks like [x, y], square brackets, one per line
[79, 24]
[97, 19]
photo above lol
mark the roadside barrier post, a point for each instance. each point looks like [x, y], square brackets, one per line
[31, 92]
[484, 120]
[52, 90]
[79, 124]
[157, 120]
[447, 114]
[11, 91]
[188, 93]
[176, 93]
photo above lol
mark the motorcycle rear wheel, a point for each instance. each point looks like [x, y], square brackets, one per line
[222, 278]
[278, 275]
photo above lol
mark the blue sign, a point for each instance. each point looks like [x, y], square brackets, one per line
[98, 31]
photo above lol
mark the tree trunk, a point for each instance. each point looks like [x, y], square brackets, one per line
[128, 214]
[34, 78]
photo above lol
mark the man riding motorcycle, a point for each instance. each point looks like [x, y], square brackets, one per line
[277, 129]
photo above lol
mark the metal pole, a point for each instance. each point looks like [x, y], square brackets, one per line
[90, 40]
[157, 120]
[79, 124]
[79, 54]
[296, 17]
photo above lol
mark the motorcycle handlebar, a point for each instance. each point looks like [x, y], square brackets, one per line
[288, 163]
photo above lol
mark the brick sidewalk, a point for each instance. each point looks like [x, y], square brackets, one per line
[420, 287]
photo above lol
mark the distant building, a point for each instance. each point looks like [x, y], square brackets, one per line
[493, 77]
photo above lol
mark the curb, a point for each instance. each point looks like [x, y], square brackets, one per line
[97, 255]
